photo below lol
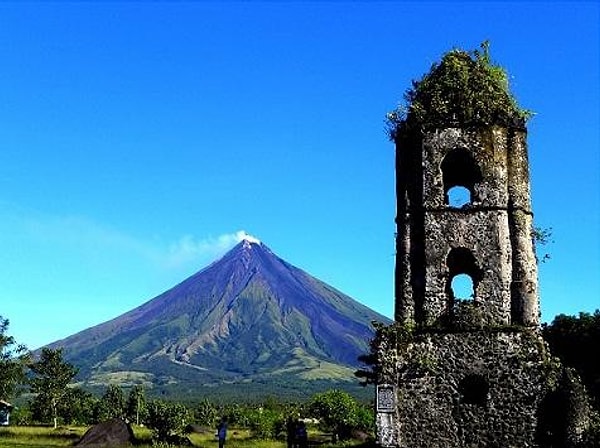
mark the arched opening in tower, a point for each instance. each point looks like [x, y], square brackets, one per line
[463, 274]
[462, 287]
[460, 174]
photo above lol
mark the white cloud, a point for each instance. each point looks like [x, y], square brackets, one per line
[190, 249]
[76, 234]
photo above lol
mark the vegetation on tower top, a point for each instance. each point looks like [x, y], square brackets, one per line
[465, 88]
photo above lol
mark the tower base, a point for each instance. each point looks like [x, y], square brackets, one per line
[471, 389]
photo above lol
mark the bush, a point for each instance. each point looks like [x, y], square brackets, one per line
[206, 414]
[464, 87]
[337, 411]
[365, 419]
[21, 416]
[167, 420]
[265, 423]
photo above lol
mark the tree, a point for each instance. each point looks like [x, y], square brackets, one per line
[167, 421]
[51, 377]
[13, 360]
[77, 407]
[206, 413]
[337, 411]
[136, 405]
[112, 403]
[576, 341]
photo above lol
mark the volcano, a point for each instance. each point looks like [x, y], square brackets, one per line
[250, 316]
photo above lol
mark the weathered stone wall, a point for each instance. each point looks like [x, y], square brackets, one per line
[459, 228]
[487, 147]
[526, 309]
[471, 374]
[468, 389]
[495, 227]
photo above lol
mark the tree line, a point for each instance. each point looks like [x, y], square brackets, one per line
[54, 399]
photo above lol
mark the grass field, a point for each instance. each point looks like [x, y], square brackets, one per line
[45, 437]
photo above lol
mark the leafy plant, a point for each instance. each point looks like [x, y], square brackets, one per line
[265, 423]
[465, 87]
[398, 336]
[13, 360]
[542, 236]
[78, 407]
[576, 341]
[136, 405]
[167, 420]
[51, 376]
[337, 411]
[206, 413]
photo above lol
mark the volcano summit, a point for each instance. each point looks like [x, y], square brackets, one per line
[248, 317]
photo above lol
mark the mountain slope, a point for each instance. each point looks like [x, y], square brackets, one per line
[249, 315]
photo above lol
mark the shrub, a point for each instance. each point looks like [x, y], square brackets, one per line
[265, 423]
[167, 420]
[337, 411]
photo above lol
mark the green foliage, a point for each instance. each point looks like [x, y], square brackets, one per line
[78, 407]
[21, 416]
[542, 236]
[13, 360]
[136, 409]
[265, 423]
[167, 420]
[576, 341]
[51, 376]
[206, 413]
[464, 87]
[337, 411]
[365, 419]
[112, 403]
[398, 334]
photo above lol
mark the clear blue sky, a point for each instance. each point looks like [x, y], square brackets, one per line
[137, 139]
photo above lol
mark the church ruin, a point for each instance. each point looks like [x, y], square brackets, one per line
[456, 369]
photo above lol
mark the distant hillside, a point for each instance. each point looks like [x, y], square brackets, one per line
[249, 320]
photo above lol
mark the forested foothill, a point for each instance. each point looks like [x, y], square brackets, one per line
[44, 392]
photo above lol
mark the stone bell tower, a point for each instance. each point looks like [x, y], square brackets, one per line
[455, 370]
[488, 237]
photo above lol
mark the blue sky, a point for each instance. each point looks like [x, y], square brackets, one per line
[138, 139]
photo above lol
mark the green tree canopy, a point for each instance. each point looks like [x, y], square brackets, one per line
[206, 413]
[51, 376]
[576, 341]
[337, 410]
[136, 405]
[112, 403]
[13, 361]
[167, 421]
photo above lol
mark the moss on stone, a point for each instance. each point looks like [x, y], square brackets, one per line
[464, 89]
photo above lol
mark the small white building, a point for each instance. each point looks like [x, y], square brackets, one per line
[5, 409]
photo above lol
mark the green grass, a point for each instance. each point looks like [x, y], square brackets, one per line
[46, 437]
[38, 437]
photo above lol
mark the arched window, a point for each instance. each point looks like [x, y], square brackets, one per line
[462, 287]
[463, 274]
[460, 174]
[458, 196]
[474, 389]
